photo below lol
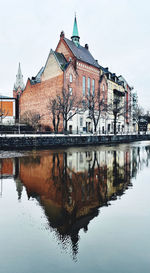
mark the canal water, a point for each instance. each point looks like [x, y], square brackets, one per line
[76, 210]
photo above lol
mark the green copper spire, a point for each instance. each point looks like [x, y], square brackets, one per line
[75, 35]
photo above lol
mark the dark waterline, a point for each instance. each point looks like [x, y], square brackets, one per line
[76, 210]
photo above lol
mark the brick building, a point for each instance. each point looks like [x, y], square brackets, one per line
[71, 66]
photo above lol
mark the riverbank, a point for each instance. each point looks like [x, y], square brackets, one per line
[45, 141]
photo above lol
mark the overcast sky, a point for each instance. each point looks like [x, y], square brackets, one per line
[117, 32]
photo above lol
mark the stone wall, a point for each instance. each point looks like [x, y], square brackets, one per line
[53, 141]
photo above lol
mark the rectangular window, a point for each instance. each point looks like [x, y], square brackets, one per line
[93, 87]
[89, 86]
[81, 121]
[70, 77]
[70, 90]
[83, 88]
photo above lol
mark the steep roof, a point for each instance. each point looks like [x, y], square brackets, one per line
[81, 53]
[37, 78]
[61, 59]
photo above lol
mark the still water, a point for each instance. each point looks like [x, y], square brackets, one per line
[76, 210]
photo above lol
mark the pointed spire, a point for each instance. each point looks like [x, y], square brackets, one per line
[19, 80]
[75, 35]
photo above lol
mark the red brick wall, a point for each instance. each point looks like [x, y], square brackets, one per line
[36, 97]
[6, 167]
[64, 49]
[89, 72]
[82, 69]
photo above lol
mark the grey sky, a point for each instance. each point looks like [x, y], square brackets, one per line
[117, 31]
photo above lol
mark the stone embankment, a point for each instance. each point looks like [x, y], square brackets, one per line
[52, 141]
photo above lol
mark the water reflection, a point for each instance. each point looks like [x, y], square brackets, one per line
[72, 185]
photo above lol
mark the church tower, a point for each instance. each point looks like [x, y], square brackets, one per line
[19, 84]
[75, 35]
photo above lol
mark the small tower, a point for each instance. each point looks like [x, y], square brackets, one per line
[75, 35]
[19, 84]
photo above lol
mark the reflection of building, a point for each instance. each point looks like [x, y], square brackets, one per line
[72, 185]
[71, 194]
[6, 168]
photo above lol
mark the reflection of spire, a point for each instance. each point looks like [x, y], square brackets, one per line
[75, 239]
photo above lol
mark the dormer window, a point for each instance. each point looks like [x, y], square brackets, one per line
[71, 78]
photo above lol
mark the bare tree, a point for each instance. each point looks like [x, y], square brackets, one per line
[31, 118]
[96, 105]
[137, 114]
[117, 108]
[55, 111]
[69, 105]
[3, 114]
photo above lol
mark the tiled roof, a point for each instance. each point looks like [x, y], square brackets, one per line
[81, 53]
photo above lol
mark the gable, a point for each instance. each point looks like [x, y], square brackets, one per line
[52, 68]
[64, 49]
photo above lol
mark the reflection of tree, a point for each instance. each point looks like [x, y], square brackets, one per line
[71, 196]
[147, 149]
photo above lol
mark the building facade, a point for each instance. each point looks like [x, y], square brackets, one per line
[72, 66]
[8, 110]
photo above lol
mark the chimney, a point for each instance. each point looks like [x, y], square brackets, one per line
[62, 34]
[86, 46]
